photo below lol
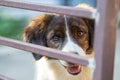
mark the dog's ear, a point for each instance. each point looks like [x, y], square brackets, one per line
[84, 6]
[90, 23]
[35, 31]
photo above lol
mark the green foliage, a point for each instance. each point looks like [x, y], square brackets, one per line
[11, 27]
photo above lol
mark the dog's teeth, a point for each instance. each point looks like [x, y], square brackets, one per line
[73, 65]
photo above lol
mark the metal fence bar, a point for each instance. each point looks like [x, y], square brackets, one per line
[4, 78]
[49, 8]
[105, 38]
[45, 51]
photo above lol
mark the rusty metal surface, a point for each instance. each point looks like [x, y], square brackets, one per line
[44, 51]
[48, 8]
[105, 39]
[5, 78]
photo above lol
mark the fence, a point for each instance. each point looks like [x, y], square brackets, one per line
[105, 35]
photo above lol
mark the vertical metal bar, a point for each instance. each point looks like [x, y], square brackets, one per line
[105, 38]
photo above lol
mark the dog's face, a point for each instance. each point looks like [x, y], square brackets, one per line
[65, 33]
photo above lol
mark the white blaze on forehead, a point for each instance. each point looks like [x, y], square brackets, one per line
[70, 46]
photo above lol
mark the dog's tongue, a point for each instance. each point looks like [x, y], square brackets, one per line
[74, 70]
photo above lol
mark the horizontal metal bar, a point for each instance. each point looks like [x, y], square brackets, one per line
[45, 51]
[4, 78]
[49, 8]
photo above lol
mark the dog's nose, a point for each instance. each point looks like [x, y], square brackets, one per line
[74, 52]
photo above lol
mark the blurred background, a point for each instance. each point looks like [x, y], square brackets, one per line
[15, 63]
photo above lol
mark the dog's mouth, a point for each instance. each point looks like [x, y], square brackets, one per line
[74, 69]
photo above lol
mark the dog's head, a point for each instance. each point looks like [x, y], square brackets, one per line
[66, 33]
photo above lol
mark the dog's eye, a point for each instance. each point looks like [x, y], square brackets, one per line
[80, 33]
[56, 38]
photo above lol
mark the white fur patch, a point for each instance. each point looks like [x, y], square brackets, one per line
[44, 69]
[91, 63]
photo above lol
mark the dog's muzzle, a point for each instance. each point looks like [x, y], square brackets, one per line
[71, 68]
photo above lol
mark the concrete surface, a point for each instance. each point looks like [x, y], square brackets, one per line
[19, 64]
[16, 64]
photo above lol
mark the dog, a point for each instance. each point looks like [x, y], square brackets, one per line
[66, 33]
